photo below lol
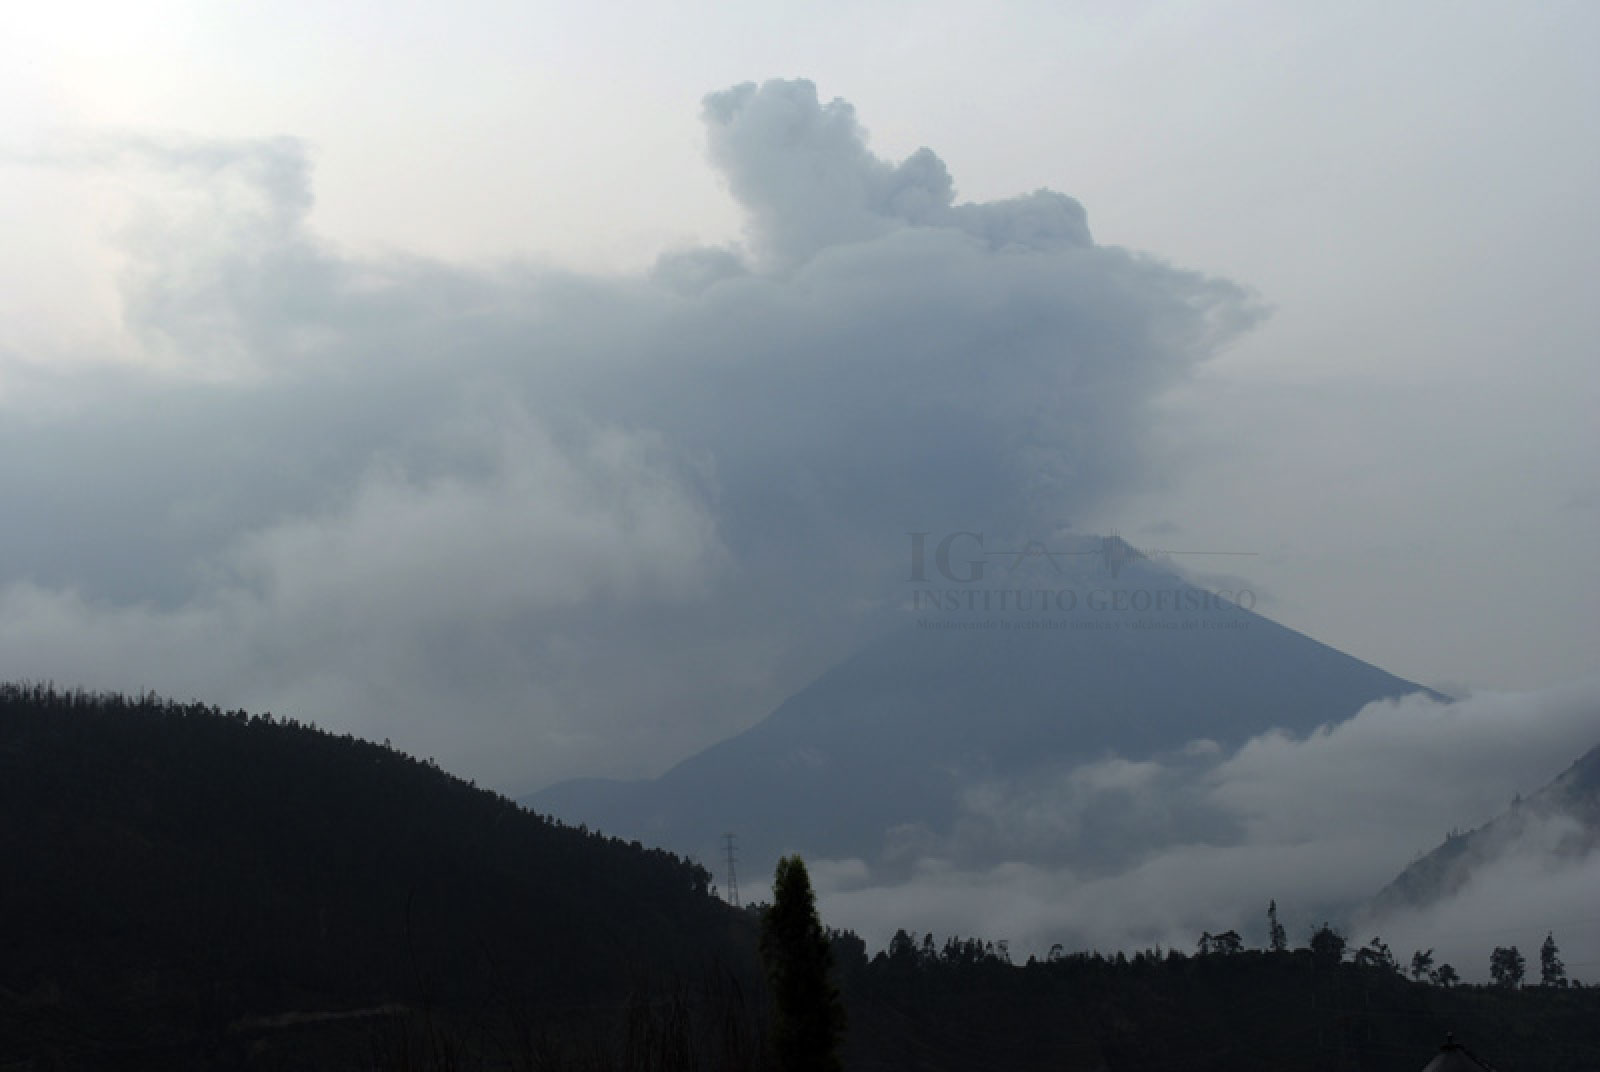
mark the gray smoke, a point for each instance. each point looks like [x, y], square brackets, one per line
[540, 524]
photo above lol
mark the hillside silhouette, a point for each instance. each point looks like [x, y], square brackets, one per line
[1557, 826]
[176, 874]
[188, 888]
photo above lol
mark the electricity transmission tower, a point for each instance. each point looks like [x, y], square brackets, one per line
[730, 851]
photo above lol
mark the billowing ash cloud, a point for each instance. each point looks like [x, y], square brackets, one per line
[808, 182]
[1128, 855]
[536, 523]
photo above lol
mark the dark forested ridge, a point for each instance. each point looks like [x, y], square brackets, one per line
[191, 889]
[184, 881]
[1572, 800]
[961, 1005]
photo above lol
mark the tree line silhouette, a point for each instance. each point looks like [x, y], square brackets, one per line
[188, 887]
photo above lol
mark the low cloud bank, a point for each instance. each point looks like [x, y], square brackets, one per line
[1121, 855]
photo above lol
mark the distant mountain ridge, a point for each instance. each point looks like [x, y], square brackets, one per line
[972, 687]
[1571, 800]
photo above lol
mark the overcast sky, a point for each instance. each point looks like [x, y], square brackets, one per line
[468, 375]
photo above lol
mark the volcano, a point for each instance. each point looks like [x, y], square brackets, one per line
[1112, 654]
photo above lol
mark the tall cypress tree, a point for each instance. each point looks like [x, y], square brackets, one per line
[809, 1016]
[1551, 971]
[1277, 939]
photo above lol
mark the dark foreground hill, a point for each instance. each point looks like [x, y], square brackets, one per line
[974, 688]
[185, 888]
[958, 1009]
[189, 889]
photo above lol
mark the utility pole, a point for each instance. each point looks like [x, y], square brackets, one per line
[730, 850]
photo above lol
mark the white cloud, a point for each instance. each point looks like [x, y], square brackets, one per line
[1125, 855]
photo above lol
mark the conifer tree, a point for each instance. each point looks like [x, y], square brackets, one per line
[1551, 971]
[809, 1016]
